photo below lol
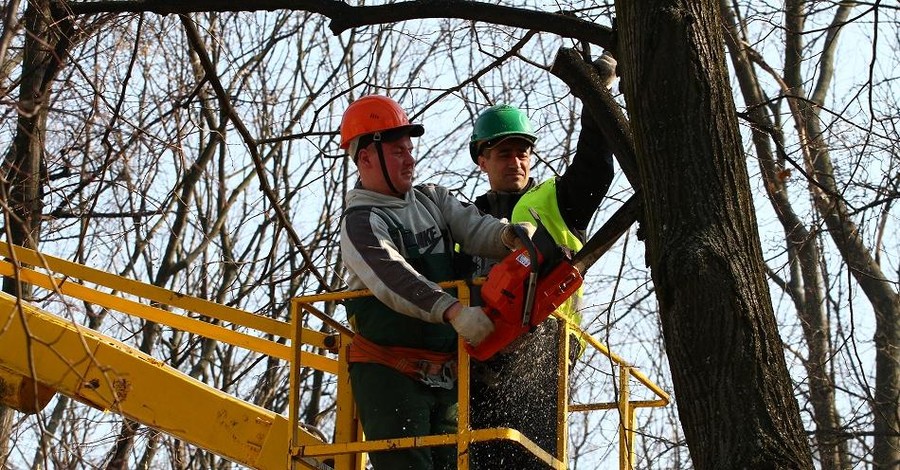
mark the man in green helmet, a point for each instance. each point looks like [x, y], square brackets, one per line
[517, 388]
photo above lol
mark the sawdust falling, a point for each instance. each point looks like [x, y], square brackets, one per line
[518, 389]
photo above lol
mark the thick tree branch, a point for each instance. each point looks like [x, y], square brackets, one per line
[344, 17]
[585, 83]
[328, 8]
[559, 23]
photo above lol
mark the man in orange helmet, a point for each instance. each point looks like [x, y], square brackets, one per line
[397, 240]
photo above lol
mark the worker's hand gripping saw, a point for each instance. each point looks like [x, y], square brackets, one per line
[524, 289]
[516, 304]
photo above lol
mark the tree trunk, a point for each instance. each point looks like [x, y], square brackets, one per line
[733, 390]
[884, 297]
[56, 418]
[118, 459]
[21, 187]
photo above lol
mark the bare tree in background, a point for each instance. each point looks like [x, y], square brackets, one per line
[197, 151]
[798, 141]
[42, 55]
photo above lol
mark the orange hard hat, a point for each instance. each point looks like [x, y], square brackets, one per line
[373, 114]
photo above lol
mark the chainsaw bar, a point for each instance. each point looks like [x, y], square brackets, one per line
[601, 241]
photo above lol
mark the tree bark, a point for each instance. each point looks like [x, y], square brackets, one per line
[731, 383]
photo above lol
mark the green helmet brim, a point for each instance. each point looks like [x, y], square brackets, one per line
[499, 123]
[476, 148]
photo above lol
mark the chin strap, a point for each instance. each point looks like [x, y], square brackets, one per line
[387, 178]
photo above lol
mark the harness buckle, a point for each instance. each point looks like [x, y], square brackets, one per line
[437, 374]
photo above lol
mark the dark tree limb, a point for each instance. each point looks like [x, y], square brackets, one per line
[344, 17]
[586, 84]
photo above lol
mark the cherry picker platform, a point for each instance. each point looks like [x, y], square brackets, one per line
[43, 354]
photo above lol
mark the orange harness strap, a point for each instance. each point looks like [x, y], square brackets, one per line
[432, 368]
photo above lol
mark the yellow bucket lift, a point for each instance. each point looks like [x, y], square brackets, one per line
[44, 353]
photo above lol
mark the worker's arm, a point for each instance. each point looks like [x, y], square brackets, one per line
[584, 184]
[582, 187]
[375, 263]
[479, 234]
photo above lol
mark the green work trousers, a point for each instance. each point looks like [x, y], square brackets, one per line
[392, 405]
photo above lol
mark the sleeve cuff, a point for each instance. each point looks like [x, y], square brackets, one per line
[436, 315]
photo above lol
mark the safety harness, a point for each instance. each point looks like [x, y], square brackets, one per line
[432, 368]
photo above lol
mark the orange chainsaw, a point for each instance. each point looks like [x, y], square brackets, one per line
[529, 284]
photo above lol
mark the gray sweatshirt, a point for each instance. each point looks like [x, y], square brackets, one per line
[374, 261]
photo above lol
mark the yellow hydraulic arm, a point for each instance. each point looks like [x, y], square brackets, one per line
[41, 353]
[109, 375]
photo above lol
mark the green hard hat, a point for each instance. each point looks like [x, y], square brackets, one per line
[497, 123]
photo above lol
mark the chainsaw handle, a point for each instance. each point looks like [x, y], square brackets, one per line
[522, 234]
[531, 281]
[527, 243]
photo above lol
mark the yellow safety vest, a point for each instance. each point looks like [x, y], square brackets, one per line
[542, 198]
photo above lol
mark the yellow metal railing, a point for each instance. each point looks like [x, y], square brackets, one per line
[285, 438]
[348, 446]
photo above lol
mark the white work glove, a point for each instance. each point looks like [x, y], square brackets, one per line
[606, 67]
[472, 324]
[511, 240]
